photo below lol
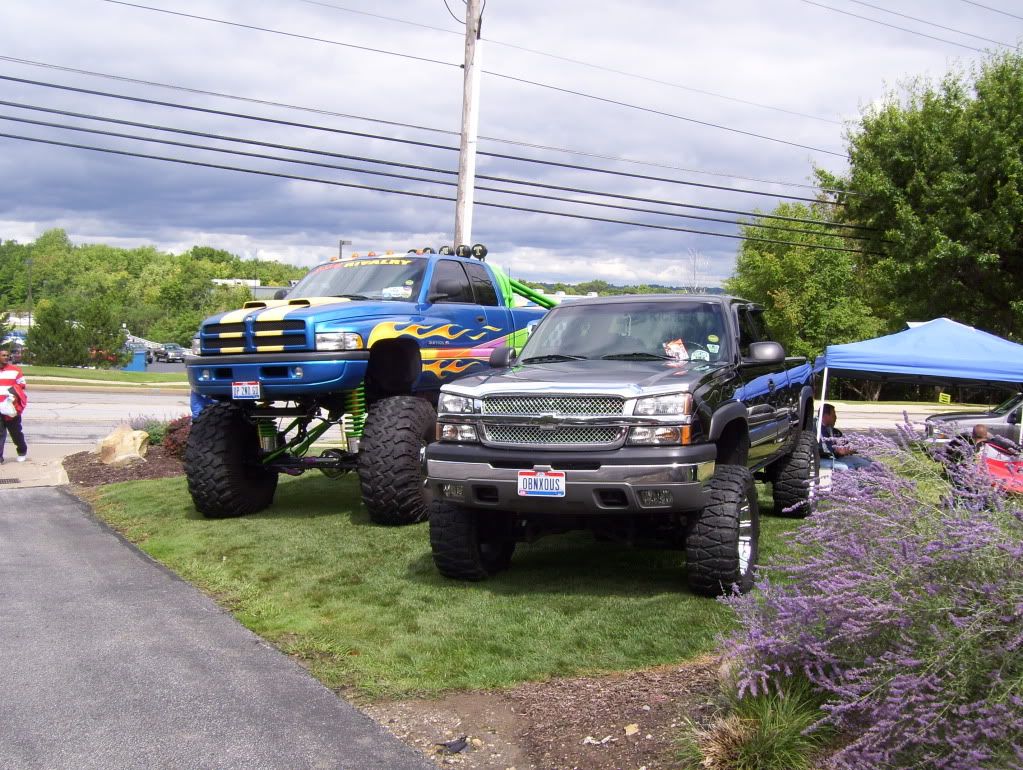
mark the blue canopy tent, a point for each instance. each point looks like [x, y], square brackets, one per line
[939, 351]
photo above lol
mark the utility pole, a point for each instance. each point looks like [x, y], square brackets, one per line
[470, 124]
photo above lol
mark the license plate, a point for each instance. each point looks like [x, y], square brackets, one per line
[245, 391]
[541, 484]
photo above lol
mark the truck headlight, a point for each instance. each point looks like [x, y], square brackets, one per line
[196, 346]
[673, 404]
[338, 341]
[659, 434]
[450, 403]
[452, 431]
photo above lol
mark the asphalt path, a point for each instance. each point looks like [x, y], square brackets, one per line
[77, 416]
[107, 660]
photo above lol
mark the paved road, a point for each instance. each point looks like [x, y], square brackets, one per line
[70, 416]
[109, 661]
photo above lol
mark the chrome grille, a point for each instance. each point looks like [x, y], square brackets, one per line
[569, 434]
[553, 404]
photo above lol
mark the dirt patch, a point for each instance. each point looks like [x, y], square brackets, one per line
[85, 470]
[626, 721]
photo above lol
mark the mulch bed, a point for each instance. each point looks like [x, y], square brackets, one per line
[85, 470]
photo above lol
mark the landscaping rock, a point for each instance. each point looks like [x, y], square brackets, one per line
[123, 446]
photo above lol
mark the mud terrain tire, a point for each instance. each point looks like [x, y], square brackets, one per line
[793, 477]
[391, 476]
[225, 477]
[469, 544]
[722, 546]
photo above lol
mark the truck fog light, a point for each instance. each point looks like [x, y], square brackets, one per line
[205, 375]
[650, 498]
[452, 491]
[449, 431]
[299, 373]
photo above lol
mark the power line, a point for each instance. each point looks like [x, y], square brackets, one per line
[933, 24]
[453, 13]
[279, 121]
[876, 21]
[601, 67]
[430, 196]
[993, 10]
[537, 84]
[381, 121]
[504, 180]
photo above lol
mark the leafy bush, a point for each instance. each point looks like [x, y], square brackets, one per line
[155, 427]
[176, 436]
[904, 611]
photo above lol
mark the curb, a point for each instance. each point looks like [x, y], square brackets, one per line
[182, 390]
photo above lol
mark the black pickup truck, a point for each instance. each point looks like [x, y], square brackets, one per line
[635, 417]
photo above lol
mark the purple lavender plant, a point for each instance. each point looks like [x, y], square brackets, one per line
[903, 606]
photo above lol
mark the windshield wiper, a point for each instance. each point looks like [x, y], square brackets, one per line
[638, 355]
[352, 296]
[552, 358]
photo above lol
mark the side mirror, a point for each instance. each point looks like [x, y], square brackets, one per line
[443, 290]
[765, 354]
[531, 326]
[502, 357]
[280, 294]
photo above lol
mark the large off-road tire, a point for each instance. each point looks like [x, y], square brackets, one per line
[722, 545]
[225, 477]
[794, 475]
[469, 544]
[396, 432]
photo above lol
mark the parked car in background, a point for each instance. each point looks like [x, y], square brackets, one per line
[1006, 420]
[170, 352]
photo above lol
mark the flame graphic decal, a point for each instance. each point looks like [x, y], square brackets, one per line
[390, 329]
[443, 368]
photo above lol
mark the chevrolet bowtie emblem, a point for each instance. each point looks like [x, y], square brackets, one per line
[548, 421]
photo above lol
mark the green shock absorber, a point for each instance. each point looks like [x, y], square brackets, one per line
[267, 429]
[355, 416]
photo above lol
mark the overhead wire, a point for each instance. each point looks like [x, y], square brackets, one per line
[993, 10]
[347, 132]
[381, 121]
[451, 183]
[873, 21]
[581, 94]
[504, 206]
[581, 63]
[933, 24]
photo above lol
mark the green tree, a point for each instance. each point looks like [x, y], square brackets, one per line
[938, 172]
[812, 297]
[88, 335]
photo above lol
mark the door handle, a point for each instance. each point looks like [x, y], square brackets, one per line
[771, 386]
[480, 319]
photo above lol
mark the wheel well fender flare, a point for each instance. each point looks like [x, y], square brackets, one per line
[723, 417]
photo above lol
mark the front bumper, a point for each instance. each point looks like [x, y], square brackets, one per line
[595, 482]
[283, 376]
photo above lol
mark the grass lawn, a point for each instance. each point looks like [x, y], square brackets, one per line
[105, 375]
[364, 606]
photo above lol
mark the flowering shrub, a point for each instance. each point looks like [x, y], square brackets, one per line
[176, 437]
[155, 427]
[904, 611]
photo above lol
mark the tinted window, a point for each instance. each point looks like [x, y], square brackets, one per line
[379, 278]
[749, 330]
[448, 271]
[486, 294]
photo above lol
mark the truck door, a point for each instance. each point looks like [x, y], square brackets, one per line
[457, 326]
[498, 317]
[763, 392]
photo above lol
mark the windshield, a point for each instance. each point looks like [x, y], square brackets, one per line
[1008, 405]
[397, 278]
[682, 331]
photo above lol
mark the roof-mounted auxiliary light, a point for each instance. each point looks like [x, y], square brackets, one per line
[479, 251]
[462, 251]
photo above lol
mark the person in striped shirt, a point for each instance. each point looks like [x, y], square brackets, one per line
[12, 394]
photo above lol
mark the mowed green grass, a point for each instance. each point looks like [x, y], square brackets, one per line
[104, 375]
[365, 608]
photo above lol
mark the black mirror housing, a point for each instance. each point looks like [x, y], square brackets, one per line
[502, 357]
[443, 290]
[765, 354]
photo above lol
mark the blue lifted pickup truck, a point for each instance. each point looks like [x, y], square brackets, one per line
[361, 344]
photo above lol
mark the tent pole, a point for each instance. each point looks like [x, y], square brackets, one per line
[820, 409]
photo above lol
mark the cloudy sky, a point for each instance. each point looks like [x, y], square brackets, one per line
[648, 77]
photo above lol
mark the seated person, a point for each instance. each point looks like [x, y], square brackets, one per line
[991, 447]
[843, 458]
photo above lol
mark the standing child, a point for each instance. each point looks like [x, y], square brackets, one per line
[13, 400]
